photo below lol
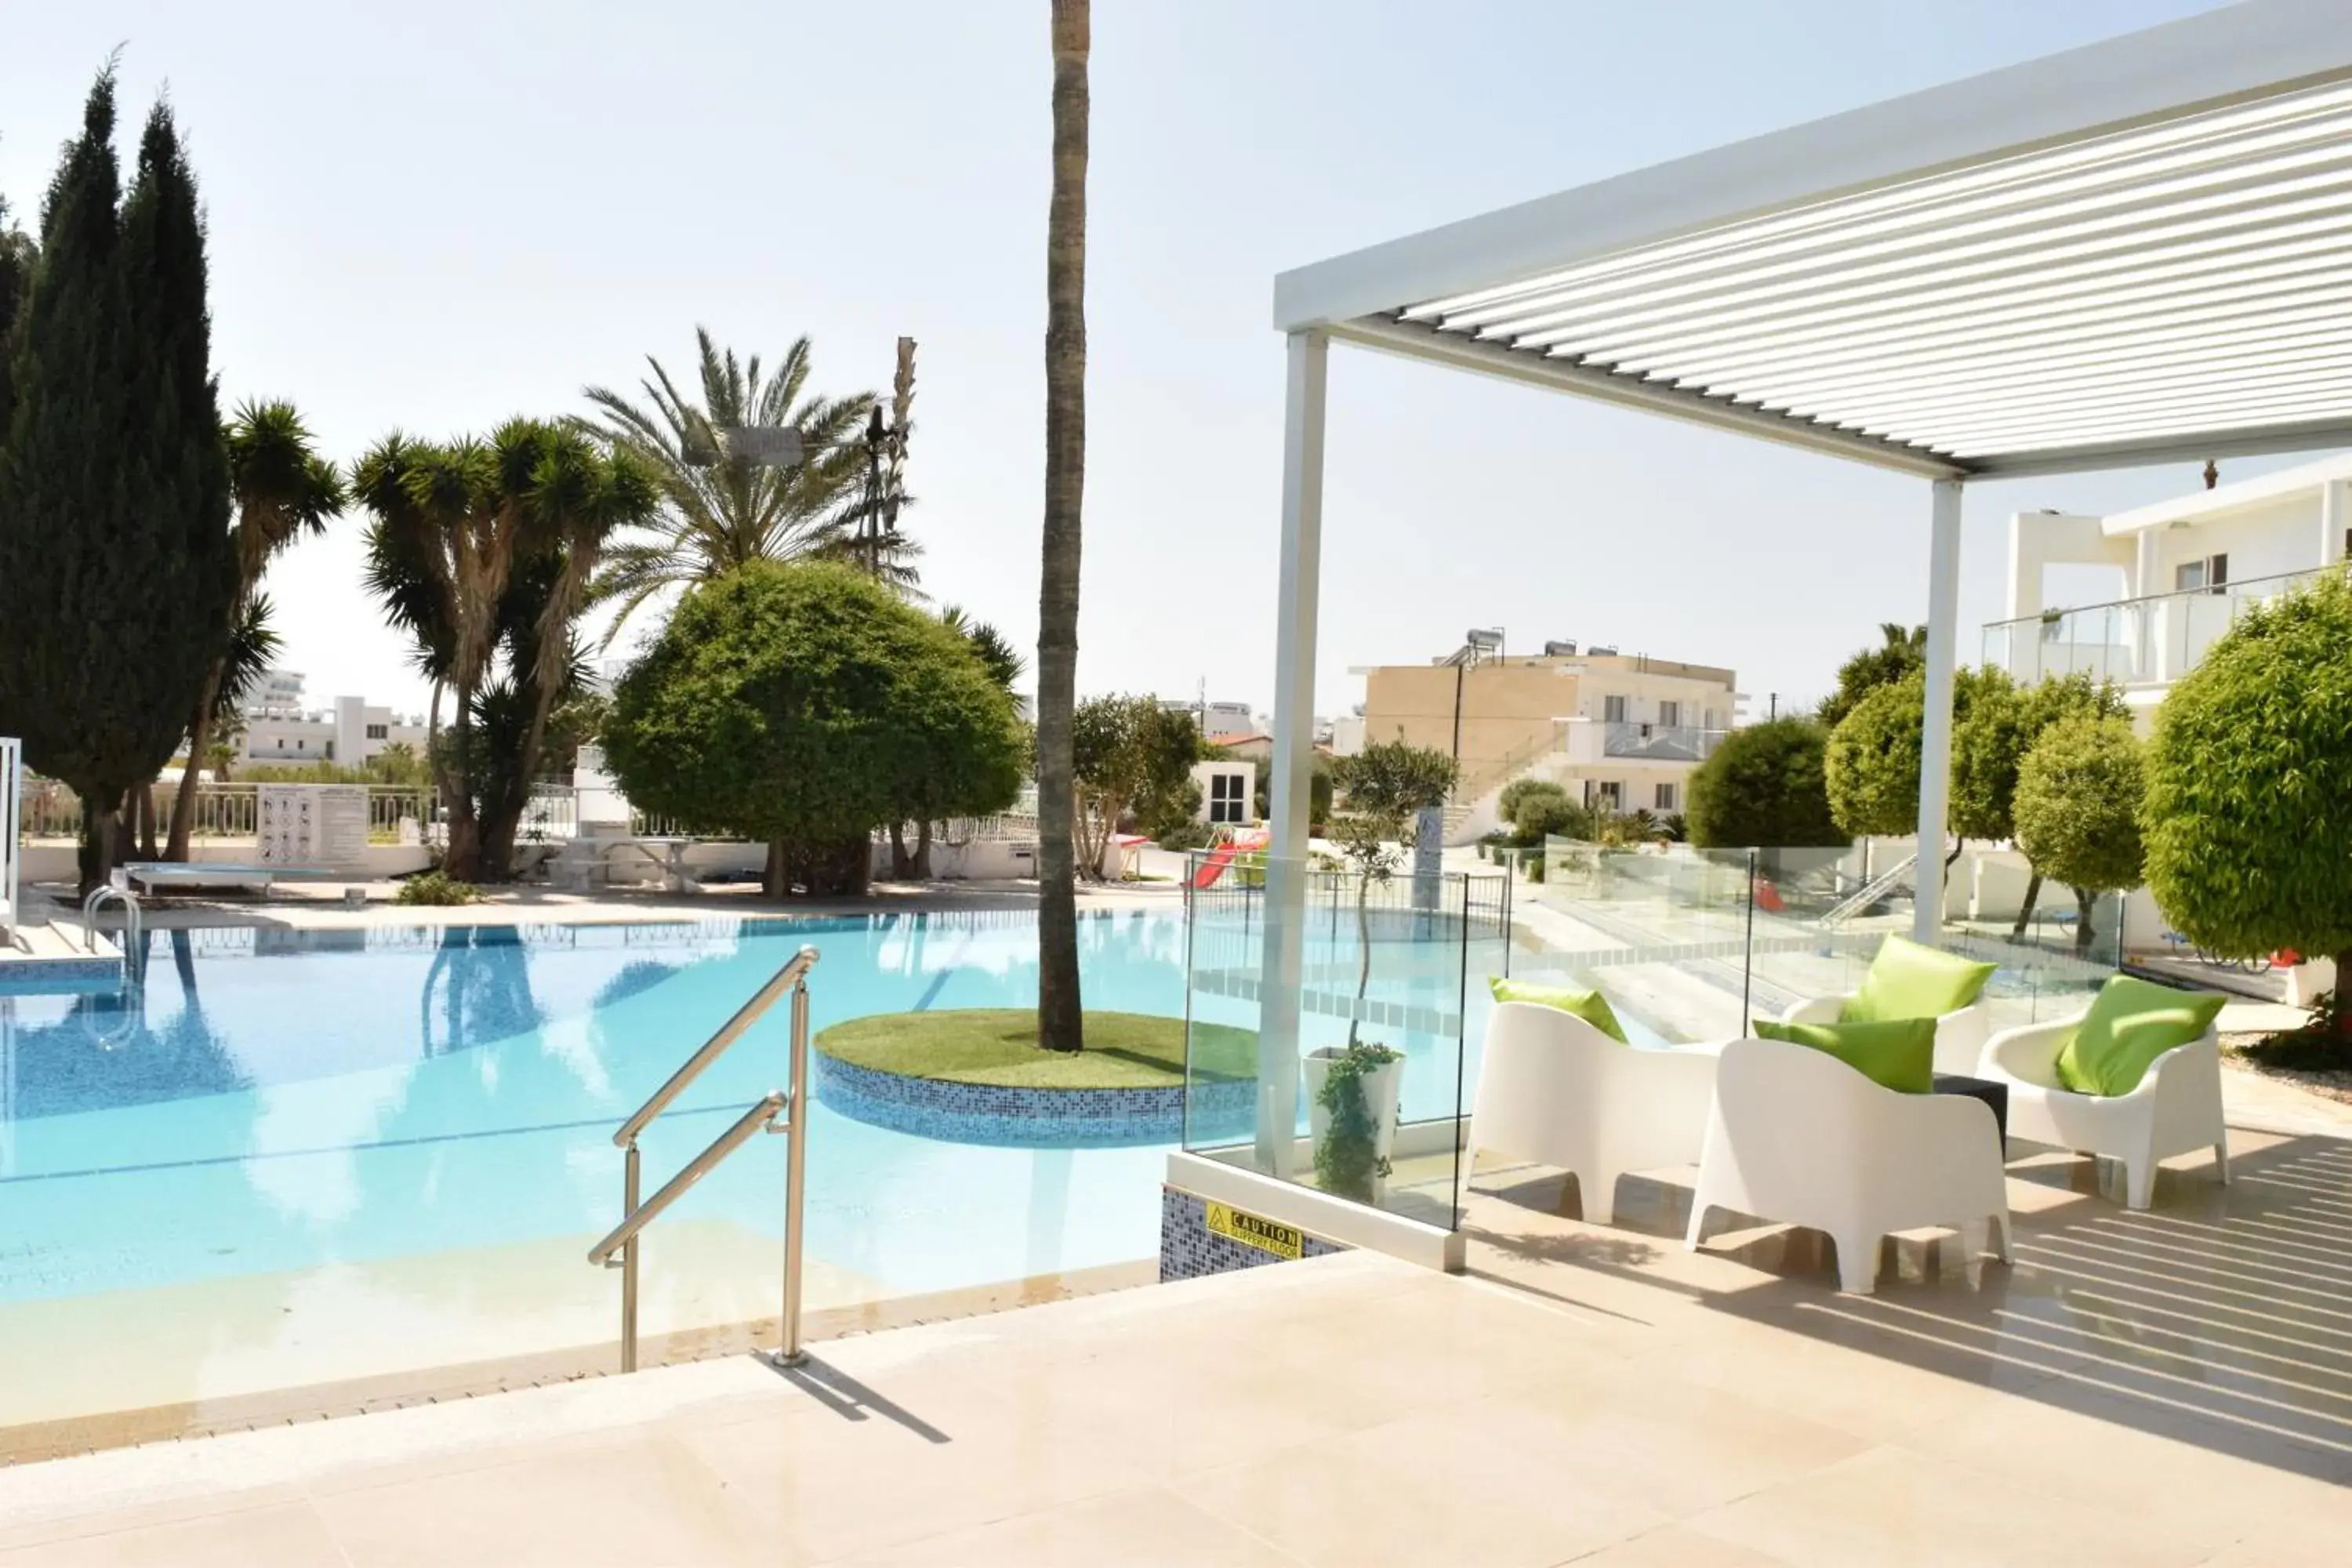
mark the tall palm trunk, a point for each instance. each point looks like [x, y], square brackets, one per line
[1060, 1018]
[184, 799]
[462, 857]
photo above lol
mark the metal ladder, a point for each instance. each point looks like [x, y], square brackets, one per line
[1869, 893]
[132, 931]
[779, 1110]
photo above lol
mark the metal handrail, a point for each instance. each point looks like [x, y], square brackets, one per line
[782, 1111]
[761, 1118]
[728, 1033]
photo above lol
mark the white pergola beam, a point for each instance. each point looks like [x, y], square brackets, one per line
[2210, 58]
[1538, 370]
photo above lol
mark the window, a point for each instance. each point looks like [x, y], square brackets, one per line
[1667, 794]
[2207, 572]
[1611, 794]
[1228, 797]
[1670, 714]
[379, 731]
[1612, 709]
[300, 744]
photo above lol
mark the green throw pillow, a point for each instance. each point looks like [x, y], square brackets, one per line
[1908, 980]
[1898, 1053]
[2130, 1024]
[1590, 1005]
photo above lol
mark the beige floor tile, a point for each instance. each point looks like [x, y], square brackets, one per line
[810, 1491]
[278, 1535]
[1142, 1528]
[1418, 1491]
[1675, 1547]
[1889, 1506]
[27, 1523]
[1676, 1447]
[640, 1501]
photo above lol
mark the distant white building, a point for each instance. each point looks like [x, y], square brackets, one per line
[1217, 721]
[279, 728]
[2188, 567]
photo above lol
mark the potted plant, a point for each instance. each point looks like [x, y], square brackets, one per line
[1353, 1115]
[1352, 1089]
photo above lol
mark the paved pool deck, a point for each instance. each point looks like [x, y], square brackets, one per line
[2167, 1389]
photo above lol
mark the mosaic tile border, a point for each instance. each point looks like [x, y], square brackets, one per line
[1027, 1118]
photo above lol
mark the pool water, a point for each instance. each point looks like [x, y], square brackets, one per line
[294, 1156]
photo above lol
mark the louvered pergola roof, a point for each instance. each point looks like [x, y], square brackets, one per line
[2138, 251]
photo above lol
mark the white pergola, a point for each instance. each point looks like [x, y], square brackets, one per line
[2132, 253]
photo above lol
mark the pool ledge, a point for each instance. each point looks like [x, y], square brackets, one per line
[1023, 1116]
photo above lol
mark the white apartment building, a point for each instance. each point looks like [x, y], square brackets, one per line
[279, 728]
[2186, 568]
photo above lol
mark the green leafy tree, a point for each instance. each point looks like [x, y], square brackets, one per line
[482, 551]
[116, 573]
[1989, 743]
[1129, 755]
[1519, 792]
[719, 510]
[1901, 651]
[2249, 803]
[1871, 766]
[2077, 809]
[804, 705]
[1762, 788]
[1382, 789]
[1005, 665]
[1061, 1022]
[17, 255]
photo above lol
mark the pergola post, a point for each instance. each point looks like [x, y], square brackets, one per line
[1280, 972]
[1936, 725]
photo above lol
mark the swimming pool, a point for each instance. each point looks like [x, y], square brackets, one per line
[300, 1157]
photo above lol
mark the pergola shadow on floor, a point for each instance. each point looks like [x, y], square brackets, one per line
[2220, 1317]
[2128, 254]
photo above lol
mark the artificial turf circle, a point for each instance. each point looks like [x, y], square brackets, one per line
[999, 1046]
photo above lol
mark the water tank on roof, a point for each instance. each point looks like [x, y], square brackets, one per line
[1565, 649]
[1600, 652]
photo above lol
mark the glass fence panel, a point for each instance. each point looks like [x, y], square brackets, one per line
[1326, 1022]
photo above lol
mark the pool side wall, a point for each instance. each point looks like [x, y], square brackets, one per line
[1025, 1117]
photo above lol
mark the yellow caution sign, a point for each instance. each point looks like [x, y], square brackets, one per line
[1250, 1230]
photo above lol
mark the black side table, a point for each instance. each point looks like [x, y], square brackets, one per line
[1994, 1095]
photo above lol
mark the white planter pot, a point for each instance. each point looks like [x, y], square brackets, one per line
[1382, 1087]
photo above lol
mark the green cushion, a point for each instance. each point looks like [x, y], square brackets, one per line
[1590, 1005]
[2130, 1024]
[1908, 980]
[1898, 1053]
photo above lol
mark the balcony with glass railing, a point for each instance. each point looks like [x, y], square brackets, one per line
[2149, 641]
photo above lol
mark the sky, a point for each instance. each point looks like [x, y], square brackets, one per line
[430, 216]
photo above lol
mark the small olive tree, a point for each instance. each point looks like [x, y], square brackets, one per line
[1382, 789]
[2249, 803]
[2077, 809]
[1129, 753]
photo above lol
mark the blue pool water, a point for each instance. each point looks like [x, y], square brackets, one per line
[280, 1100]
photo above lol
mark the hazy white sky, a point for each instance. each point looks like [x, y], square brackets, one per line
[431, 216]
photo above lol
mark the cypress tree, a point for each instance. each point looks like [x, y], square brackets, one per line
[115, 567]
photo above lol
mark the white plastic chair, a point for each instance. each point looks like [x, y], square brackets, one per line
[1960, 1037]
[2176, 1109]
[1797, 1137]
[1557, 1091]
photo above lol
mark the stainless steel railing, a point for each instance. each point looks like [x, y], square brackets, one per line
[780, 1111]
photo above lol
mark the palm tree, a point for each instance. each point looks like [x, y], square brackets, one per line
[1061, 1024]
[284, 491]
[995, 651]
[483, 552]
[718, 511]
